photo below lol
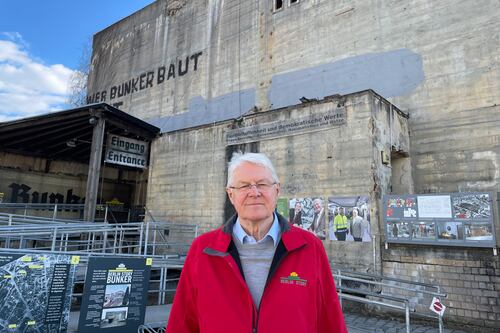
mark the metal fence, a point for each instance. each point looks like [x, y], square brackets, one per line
[30, 232]
[379, 290]
[376, 290]
[104, 212]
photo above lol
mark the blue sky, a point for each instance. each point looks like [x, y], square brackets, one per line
[41, 45]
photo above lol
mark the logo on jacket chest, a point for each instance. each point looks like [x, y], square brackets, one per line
[293, 278]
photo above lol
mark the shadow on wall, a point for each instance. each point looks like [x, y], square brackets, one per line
[390, 74]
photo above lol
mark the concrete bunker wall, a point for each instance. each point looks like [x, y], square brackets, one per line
[430, 59]
[188, 173]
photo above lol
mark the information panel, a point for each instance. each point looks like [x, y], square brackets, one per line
[115, 295]
[282, 128]
[455, 219]
[35, 291]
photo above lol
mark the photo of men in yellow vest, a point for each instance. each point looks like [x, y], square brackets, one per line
[349, 219]
[340, 225]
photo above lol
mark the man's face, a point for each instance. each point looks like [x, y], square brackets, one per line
[298, 207]
[341, 211]
[317, 206]
[253, 206]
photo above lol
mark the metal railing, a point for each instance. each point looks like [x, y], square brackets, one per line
[73, 211]
[374, 296]
[166, 243]
[104, 212]
[156, 327]
[67, 235]
[378, 286]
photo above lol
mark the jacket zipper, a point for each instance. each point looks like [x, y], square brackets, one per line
[255, 318]
[256, 312]
[255, 315]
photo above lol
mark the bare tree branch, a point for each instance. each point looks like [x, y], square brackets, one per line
[78, 81]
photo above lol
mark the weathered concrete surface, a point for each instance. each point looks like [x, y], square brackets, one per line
[188, 170]
[442, 65]
[469, 277]
[432, 60]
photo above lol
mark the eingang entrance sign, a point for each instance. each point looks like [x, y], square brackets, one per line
[125, 151]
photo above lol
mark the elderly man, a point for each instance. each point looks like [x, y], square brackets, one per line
[256, 273]
[357, 226]
[318, 223]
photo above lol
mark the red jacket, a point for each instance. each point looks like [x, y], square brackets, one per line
[300, 295]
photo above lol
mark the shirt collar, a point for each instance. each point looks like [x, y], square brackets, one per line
[244, 238]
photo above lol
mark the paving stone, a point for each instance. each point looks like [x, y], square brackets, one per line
[359, 323]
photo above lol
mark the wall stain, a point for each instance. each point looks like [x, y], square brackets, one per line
[390, 74]
[393, 73]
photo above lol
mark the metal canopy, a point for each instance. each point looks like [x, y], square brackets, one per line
[67, 135]
[77, 135]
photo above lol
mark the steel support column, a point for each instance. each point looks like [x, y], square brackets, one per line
[94, 167]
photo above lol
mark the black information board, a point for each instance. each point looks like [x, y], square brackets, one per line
[454, 219]
[35, 291]
[115, 295]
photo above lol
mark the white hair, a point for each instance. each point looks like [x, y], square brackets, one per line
[318, 200]
[253, 158]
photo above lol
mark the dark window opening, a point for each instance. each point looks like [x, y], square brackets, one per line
[278, 4]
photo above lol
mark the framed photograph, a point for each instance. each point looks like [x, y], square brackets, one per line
[472, 206]
[309, 214]
[114, 317]
[349, 219]
[423, 230]
[398, 229]
[450, 231]
[478, 231]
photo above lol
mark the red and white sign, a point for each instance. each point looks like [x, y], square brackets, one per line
[437, 306]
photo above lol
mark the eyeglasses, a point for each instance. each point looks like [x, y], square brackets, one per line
[261, 187]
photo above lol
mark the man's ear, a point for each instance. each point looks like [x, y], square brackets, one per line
[230, 194]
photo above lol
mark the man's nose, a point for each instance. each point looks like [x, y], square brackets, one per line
[254, 190]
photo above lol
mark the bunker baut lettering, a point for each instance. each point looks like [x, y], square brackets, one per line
[146, 80]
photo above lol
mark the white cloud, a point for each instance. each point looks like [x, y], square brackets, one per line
[27, 85]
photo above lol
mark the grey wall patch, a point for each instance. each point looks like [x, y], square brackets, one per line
[390, 74]
[202, 112]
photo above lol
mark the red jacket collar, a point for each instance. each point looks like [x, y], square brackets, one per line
[291, 237]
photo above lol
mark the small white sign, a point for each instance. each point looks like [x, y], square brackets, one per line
[437, 306]
[434, 206]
